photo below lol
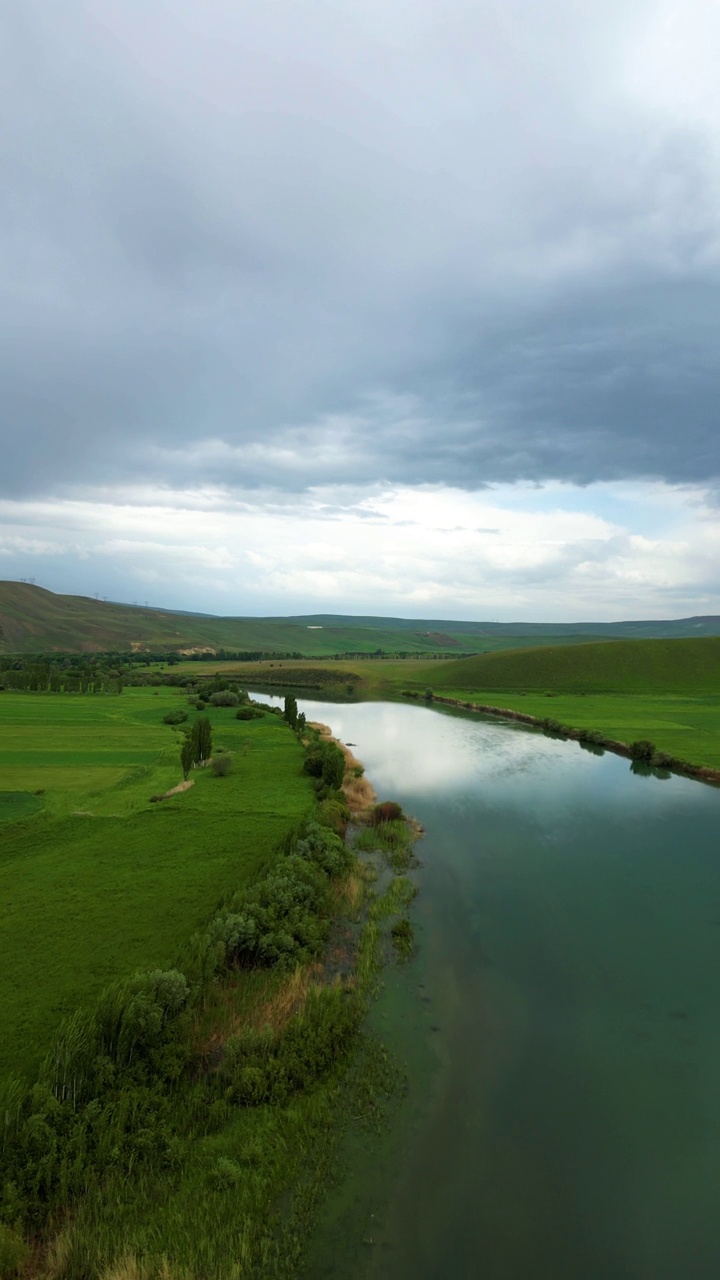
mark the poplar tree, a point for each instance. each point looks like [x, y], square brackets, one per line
[201, 739]
[187, 756]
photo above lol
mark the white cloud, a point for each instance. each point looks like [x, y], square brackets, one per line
[531, 552]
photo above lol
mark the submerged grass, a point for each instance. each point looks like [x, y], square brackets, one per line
[393, 839]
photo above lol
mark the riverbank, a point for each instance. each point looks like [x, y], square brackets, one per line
[359, 792]
[642, 751]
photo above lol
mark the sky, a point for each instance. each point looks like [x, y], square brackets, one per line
[408, 307]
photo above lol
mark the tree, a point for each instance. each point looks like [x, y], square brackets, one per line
[291, 711]
[187, 756]
[201, 739]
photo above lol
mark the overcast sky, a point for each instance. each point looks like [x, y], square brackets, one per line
[403, 306]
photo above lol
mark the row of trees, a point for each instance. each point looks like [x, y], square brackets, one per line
[34, 680]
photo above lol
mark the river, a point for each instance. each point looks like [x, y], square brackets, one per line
[560, 1024]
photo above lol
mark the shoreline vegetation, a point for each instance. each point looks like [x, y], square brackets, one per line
[642, 751]
[184, 1126]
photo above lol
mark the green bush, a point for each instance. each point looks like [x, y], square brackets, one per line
[313, 762]
[333, 770]
[642, 750]
[334, 814]
[249, 713]
[175, 717]
[221, 766]
[224, 698]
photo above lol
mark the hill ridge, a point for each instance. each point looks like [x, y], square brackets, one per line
[34, 619]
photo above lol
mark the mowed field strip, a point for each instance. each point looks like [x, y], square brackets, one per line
[99, 882]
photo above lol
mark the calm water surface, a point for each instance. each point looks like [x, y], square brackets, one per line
[560, 1024]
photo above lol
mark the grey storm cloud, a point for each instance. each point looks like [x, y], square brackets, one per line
[299, 243]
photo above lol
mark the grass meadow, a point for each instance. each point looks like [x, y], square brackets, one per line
[96, 881]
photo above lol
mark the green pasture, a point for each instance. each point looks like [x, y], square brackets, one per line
[99, 881]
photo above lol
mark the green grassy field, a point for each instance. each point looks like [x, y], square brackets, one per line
[98, 881]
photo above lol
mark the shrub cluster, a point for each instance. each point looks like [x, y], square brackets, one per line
[284, 918]
[224, 698]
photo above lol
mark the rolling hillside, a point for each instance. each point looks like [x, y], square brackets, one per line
[623, 666]
[34, 620]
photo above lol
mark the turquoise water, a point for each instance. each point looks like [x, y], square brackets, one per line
[560, 1024]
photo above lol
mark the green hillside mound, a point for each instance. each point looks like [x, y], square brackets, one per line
[622, 666]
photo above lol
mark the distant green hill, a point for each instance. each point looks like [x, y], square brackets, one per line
[33, 620]
[622, 666]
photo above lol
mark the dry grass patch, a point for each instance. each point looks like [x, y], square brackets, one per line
[287, 1000]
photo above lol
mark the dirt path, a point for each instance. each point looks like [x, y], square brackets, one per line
[181, 786]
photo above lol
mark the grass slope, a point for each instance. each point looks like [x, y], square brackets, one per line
[101, 882]
[629, 666]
